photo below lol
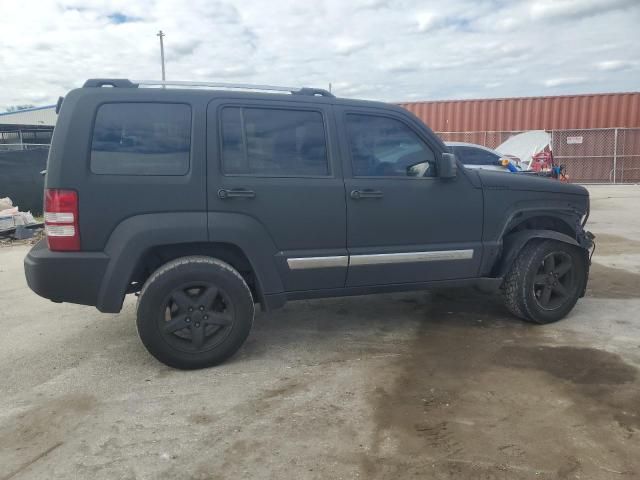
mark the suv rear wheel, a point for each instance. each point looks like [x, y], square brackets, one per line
[545, 281]
[194, 312]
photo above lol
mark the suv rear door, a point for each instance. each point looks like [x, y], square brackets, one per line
[275, 162]
[404, 224]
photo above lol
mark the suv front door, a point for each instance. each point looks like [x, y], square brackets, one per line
[274, 164]
[404, 224]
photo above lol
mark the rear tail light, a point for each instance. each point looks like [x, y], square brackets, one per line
[61, 220]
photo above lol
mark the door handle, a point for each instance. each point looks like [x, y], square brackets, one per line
[366, 193]
[224, 193]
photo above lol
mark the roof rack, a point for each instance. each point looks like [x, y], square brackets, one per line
[125, 83]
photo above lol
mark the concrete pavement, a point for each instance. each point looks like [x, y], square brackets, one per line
[428, 385]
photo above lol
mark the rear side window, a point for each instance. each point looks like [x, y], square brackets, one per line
[141, 139]
[273, 142]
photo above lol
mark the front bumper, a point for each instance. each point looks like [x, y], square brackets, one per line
[73, 277]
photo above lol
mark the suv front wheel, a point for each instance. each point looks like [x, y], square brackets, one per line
[194, 312]
[545, 281]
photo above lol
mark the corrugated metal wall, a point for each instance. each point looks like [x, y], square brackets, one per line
[531, 113]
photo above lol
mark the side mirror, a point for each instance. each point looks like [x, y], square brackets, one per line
[419, 169]
[447, 166]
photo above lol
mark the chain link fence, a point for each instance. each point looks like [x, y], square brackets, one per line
[602, 155]
[25, 139]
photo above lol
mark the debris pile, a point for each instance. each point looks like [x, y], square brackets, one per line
[14, 223]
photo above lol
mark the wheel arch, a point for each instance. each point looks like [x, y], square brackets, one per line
[536, 221]
[156, 256]
[514, 242]
[560, 221]
[141, 242]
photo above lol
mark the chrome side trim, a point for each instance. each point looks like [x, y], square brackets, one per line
[410, 257]
[304, 263]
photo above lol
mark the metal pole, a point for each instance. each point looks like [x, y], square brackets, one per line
[162, 35]
[615, 153]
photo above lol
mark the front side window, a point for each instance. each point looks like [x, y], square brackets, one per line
[273, 142]
[386, 147]
[141, 139]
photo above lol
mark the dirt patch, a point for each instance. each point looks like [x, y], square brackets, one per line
[43, 419]
[609, 282]
[287, 389]
[587, 366]
[603, 384]
[414, 411]
[608, 244]
[35, 433]
[462, 402]
[201, 419]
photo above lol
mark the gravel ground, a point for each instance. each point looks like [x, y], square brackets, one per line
[435, 385]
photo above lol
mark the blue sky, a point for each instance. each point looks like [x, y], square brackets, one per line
[389, 50]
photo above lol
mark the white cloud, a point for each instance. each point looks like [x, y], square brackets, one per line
[563, 81]
[378, 49]
[615, 65]
[347, 46]
[551, 9]
[426, 21]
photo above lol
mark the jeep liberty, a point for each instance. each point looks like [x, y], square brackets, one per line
[207, 201]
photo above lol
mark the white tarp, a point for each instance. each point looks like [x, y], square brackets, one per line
[526, 145]
[5, 203]
[11, 217]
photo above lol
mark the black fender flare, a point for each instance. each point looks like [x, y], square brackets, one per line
[134, 236]
[513, 243]
[519, 213]
[253, 238]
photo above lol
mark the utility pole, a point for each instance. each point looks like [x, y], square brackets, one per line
[161, 35]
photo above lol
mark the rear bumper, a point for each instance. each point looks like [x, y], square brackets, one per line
[73, 277]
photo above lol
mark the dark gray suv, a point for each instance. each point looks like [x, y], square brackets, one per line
[208, 201]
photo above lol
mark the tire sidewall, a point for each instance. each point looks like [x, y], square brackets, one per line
[151, 305]
[530, 304]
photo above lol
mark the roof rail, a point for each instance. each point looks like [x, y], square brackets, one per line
[109, 82]
[125, 83]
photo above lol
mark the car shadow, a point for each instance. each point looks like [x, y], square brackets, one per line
[373, 323]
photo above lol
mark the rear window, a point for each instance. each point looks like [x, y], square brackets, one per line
[273, 142]
[141, 139]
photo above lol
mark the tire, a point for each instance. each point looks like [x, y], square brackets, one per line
[545, 281]
[194, 312]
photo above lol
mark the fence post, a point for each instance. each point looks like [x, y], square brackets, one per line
[615, 153]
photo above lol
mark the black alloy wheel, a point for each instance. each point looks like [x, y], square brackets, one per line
[554, 282]
[545, 280]
[194, 312]
[196, 317]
